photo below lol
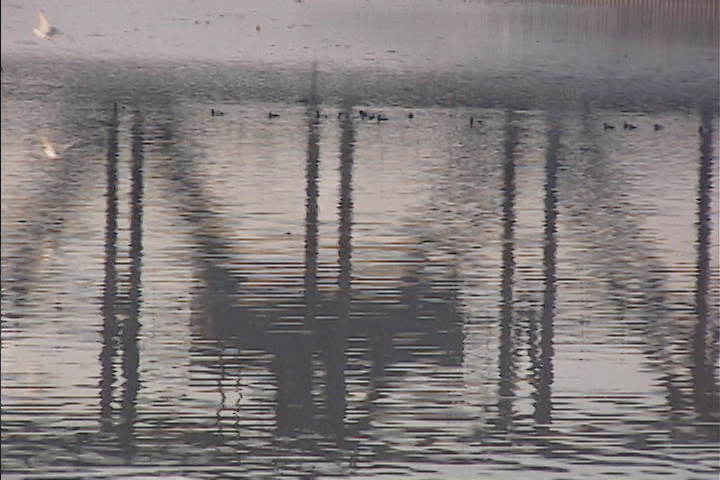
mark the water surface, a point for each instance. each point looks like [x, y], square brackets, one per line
[314, 294]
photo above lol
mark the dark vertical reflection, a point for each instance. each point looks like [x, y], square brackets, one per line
[293, 367]
[293, 357]
[506, 384]
[110, 326]
[543, 400]
[705, 391]
[311, 205]
[336, 334]
[131, 325]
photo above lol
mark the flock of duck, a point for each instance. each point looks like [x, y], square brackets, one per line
[45, 30]
[362, 114]
[379, 117]
[629, 126]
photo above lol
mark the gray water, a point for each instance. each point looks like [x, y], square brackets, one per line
[319, 295]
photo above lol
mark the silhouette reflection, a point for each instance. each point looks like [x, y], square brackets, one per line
[506, 363]
[110, 324]
[307, 333]
[543, 395]
[333, 333]
[329, 320]
[706, 391]
[122, 298]
[314, 357]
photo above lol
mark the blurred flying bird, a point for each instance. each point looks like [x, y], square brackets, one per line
[53, 152]
[49, 149]
[45, 29]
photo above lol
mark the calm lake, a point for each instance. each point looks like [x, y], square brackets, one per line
[361, 239]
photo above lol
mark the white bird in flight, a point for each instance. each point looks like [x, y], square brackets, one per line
[45, 29]
[49, 149]
[52, 152]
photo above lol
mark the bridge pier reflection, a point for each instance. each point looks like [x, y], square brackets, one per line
[307, 335]
[544, 369]
[706, 394]
[122, 296]
[506, 360]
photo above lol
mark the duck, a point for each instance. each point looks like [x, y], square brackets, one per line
[381, 118]
[363, 114]
[658, 127]
[607, 126]
[628, 126]
[411, 115]
[273, 115]
[216, 113]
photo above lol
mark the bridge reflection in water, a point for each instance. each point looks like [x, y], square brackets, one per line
[322, 346]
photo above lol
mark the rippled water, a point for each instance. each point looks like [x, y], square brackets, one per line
[317, 295]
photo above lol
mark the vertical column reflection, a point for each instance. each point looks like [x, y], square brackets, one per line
[311, 206]
[705, 389]
[110, 326]
[131, 325]
[293, 349]
[543, 400]
[506, 360]
[336, 338]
